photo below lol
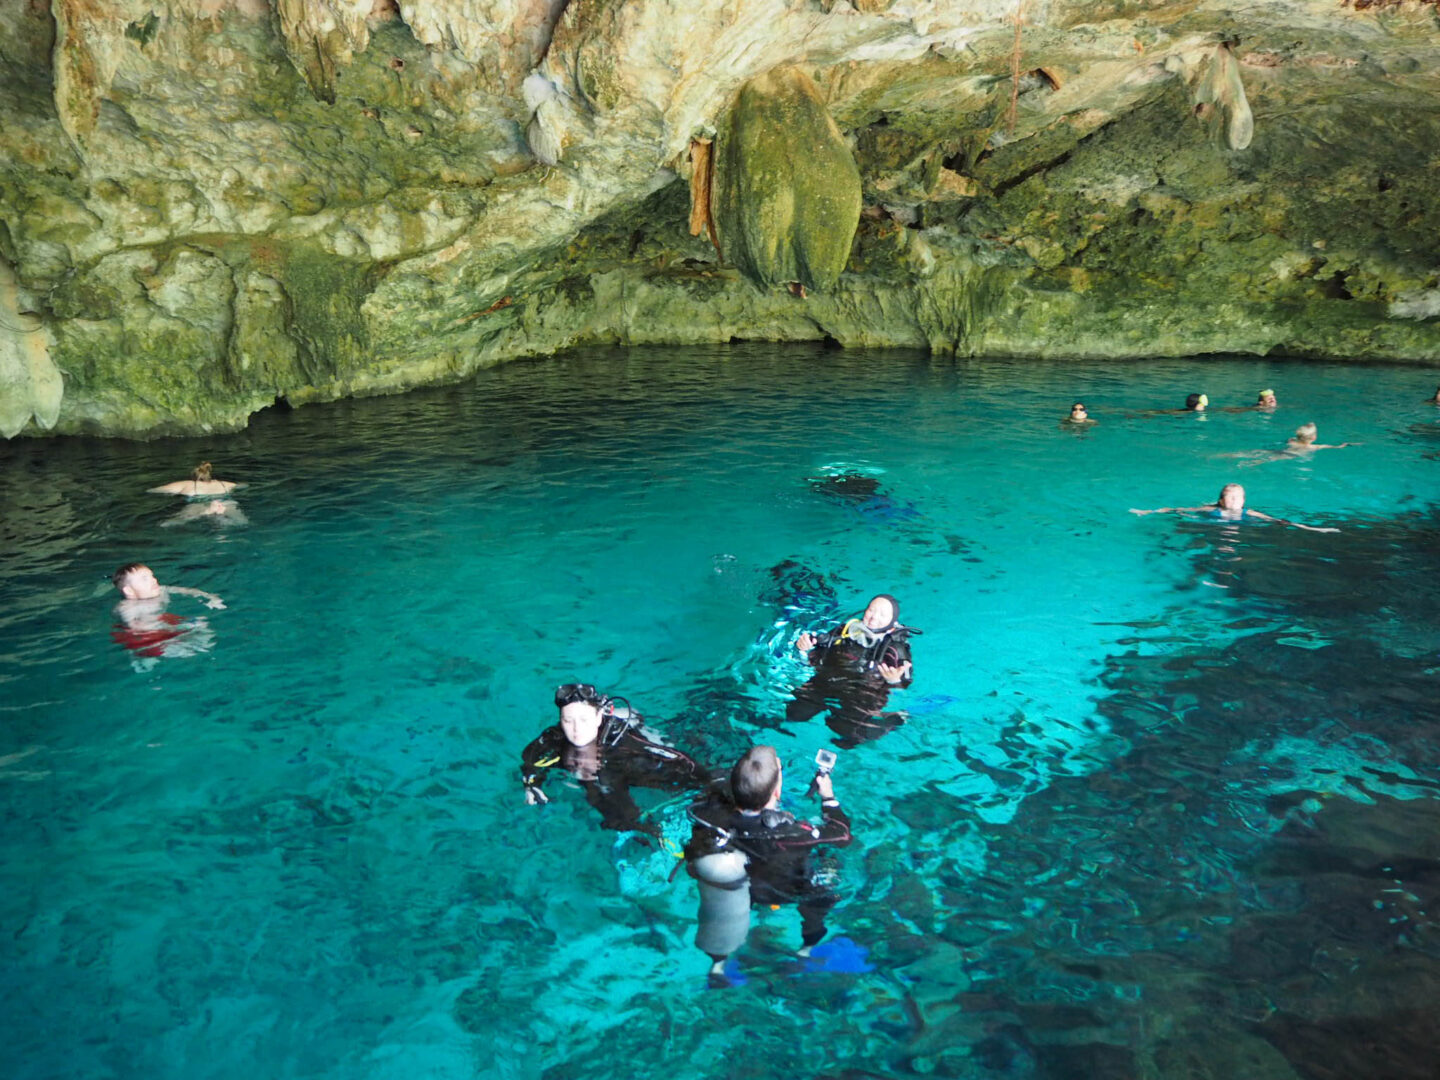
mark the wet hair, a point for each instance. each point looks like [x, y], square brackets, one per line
[754, 777]
[118, 578]
[1193, 401]
[1307, 429]
[1078, 405]
[894, 606]
[201, 473]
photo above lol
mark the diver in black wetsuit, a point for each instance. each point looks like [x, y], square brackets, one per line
[743, 850]
[857, 666]
[605, 747]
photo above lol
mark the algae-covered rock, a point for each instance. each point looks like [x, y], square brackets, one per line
[787, 187]
[448, 184]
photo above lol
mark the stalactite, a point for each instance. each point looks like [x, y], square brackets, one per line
[702, 164]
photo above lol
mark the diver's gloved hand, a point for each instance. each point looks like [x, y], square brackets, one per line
[894, 673]
[535, 797]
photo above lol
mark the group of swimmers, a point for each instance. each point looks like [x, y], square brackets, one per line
[1229, 505]
[146, 626]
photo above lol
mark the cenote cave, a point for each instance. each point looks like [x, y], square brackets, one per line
[370, 369]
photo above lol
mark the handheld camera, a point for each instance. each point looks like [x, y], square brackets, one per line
[824, 762]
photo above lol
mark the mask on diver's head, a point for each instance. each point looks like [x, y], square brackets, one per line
[573, 692]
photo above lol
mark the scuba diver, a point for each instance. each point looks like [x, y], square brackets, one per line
[857, 664]
[860, 492]
[601, 742]
[744, 850]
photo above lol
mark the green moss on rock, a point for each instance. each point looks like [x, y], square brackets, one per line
[787, 188]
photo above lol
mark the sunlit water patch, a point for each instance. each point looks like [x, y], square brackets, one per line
[1164, 796]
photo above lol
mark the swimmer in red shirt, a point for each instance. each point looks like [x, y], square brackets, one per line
[146, 628]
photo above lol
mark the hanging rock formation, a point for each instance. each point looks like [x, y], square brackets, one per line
[209, 205]
[787, 189]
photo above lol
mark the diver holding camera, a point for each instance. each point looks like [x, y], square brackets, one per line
[857, 665]
[601, 742]
[744, 850]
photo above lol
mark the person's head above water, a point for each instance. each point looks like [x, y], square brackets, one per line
[1196, 403]
[881, 613]
[136, 581]
[1265, 399]
[1077, 411]
[201, 473]
[755, 780]
[580, 712]
[1306, 433]
[1232, 497]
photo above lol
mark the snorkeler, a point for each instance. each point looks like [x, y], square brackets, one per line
[601, 742]
[146, 628]
[1078, 415]
[744, 850]
[201, 483]
[1230, 506]
[857, 665]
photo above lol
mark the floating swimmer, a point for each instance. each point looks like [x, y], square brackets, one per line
[146, 628]
[200, 484]
[1230, 506]
[1078, 415]
[1194, 403]
[1301, 445]
[1264, 402]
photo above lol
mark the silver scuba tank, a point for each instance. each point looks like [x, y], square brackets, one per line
[724, 902]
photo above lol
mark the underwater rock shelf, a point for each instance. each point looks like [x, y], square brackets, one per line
[211, 208]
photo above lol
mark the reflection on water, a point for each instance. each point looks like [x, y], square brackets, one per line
[1163, 803]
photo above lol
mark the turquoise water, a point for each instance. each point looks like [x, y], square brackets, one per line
[1165, 804]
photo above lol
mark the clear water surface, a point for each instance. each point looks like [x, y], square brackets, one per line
[1165, 804]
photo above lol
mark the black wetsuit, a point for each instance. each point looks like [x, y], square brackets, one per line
[624, 755]
[780, 852]
[848, 682]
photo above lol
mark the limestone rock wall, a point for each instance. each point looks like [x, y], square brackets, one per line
[209, 205]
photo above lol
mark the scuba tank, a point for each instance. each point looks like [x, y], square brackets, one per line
[724, 914]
